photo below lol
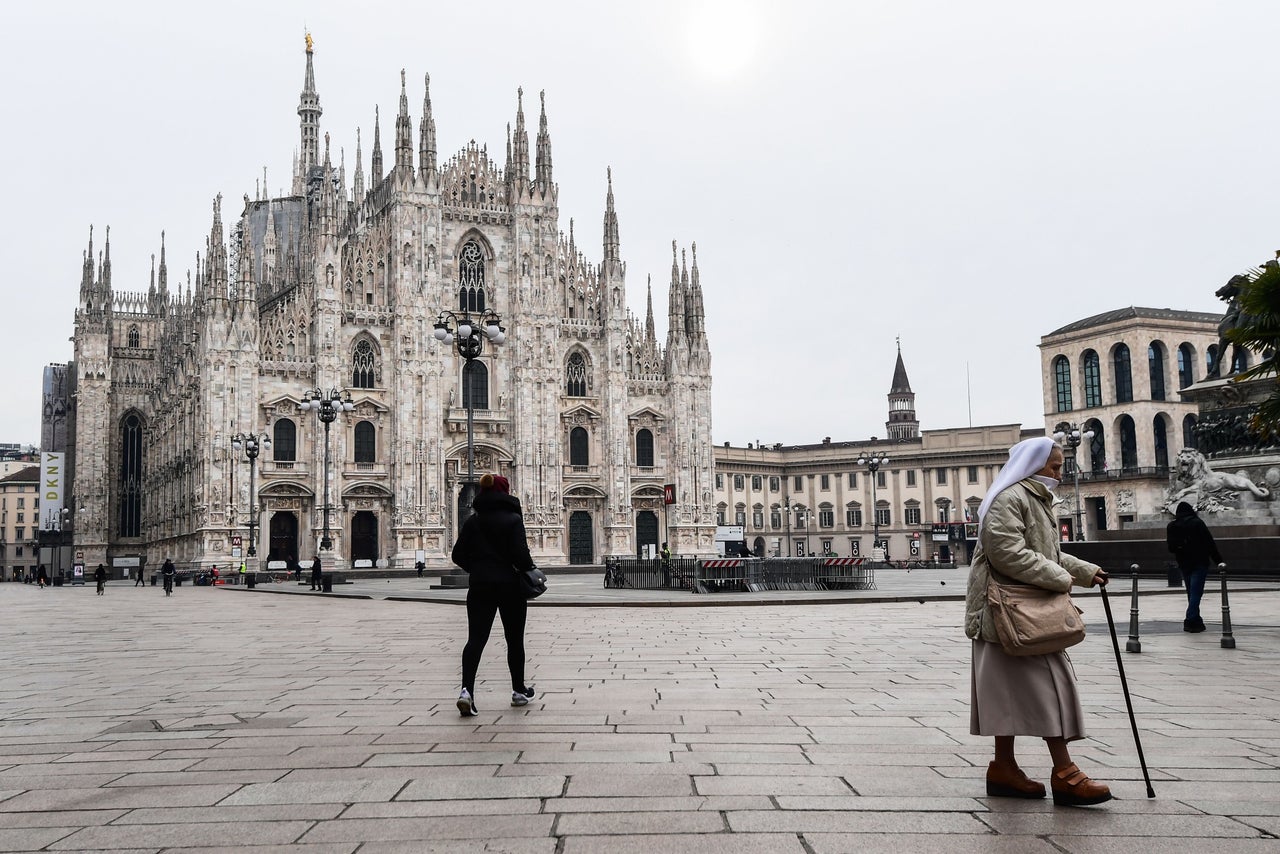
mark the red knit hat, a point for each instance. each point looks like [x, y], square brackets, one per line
[495, 483]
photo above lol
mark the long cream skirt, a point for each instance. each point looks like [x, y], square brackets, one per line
[1024, 695]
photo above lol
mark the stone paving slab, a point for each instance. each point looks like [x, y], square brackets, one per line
[806, 727]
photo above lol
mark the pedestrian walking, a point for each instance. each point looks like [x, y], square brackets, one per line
[421, 567]
[42, 577]
[1193, 547]
[666, 565]
[316, 577]
[100, 576]
[1026, 694]
[140, 581]
[491, 548]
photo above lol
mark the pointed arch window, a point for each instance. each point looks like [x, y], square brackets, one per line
[471, 278]
[364, 365]
[1123, 373]
[1186, 366]
[576, 376]
[1092, 378]
[1155, 361]
[644, 448]
[130, 478]
[1062, 379]
[578, 449]
[135, 338]
[366, 444]
[475, 385]
[284, 442]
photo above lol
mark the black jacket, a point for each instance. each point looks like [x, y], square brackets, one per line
[492, 545]
[100, 574]
[168, 568]
[1190, 541]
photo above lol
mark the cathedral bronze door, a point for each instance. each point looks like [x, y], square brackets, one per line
[466, 494]
[646, 531]
[364, 536]
[284, 538]
[581, 549]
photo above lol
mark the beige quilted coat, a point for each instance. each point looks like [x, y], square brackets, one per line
[1019, 537]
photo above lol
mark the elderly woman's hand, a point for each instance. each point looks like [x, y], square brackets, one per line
[1100, 579]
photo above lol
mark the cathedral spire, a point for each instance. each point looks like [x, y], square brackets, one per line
[697, 322]
[611, 241]
[375, 174]
[216, 256]
[902, 423]
[309, 117]
[86, 268]
[649, 335]
[427, 133]
[520, 148]
[106, 262]
[357, 182]
[404, 133]
[543, 176]
[675, 302]
[164, 271]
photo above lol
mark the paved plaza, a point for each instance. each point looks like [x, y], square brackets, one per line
[226, 719]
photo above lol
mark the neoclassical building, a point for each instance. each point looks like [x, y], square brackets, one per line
[1119, 374]
[818, 499]
[338, 286]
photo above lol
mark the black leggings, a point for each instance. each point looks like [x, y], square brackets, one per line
[484, 600]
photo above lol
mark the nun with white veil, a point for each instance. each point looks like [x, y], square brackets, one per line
[1032, 695]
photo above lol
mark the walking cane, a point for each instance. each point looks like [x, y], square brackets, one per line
[1124, 684]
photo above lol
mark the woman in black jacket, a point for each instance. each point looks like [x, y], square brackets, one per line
[1193, 546]
[492, 548]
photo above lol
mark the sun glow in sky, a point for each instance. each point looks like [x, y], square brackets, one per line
[723, 38]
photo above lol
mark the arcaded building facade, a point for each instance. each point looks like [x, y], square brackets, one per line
[1118, 374]
[338, 286]
[817, 499]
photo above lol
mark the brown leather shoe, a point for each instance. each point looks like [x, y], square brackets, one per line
[1073, 788]
[1008, 781]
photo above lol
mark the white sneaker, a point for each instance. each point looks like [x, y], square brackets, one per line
[466, 705]
[522, 699]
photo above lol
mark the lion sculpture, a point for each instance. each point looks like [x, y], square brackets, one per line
[1199, 485]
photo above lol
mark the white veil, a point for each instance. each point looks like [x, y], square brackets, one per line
[1025, 459]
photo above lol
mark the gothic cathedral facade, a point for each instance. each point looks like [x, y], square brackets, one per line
[339, 288]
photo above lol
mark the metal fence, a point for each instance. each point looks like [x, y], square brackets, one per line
[650, 574]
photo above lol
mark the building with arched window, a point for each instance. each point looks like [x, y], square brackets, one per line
[337, 284]
[1133, 405]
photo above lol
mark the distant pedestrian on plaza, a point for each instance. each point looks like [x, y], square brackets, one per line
[1193, 547]
[42, 577]
[100, 576]
[421, 567]
[316, 575]
[666, 565]
[140, 581]
[492, 547]
[1033, 694]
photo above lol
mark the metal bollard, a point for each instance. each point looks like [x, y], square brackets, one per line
[1133, 644]
[1228, 641]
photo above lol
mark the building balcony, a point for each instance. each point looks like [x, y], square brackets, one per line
[491, 421]
[1132, 473]
[364, 470]
[580, 473]
[281, 467]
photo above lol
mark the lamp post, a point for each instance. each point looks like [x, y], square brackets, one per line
[1071, 437]
[327, 405]
[252, 443]
[785, 507]
[468, 332]
[873, 463]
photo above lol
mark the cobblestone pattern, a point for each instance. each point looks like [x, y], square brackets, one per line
[218, 720]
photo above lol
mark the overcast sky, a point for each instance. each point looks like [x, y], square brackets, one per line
[964, 176]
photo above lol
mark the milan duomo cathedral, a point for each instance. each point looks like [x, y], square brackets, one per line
[339, 286]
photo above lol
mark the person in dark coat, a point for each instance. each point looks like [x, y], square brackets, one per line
[316, 580]
[100, 576]
[492, 547]
[42, 577]
[1193, 547]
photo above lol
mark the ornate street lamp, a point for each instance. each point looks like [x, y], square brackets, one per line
[1070, 437]
[327, 405]
[251, 443]
[873, 463]
[785, 508]
[468, 332]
